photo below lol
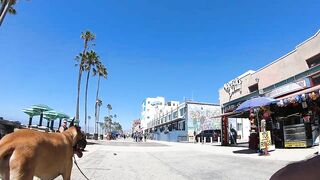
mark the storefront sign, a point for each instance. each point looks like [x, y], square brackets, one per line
[289, 144]
[290, 87]
[265, 138]
[233, 86]
[232, 107]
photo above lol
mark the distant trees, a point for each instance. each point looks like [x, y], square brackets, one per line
[110, 125]
[89, 61]
[87, 37]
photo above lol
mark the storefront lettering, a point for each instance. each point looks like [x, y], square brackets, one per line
[233, 86]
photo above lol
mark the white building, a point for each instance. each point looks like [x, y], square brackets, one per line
[151, 107]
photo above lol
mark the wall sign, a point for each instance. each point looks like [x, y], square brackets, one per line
[290, 87]
[233, 86]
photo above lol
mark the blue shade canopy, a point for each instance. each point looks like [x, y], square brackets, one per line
[255, 102]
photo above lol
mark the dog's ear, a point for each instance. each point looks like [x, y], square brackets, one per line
[71, 123]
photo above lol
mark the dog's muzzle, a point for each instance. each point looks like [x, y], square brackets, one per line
[79, 147]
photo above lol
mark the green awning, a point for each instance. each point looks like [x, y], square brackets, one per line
[31, 112]
[62, 115]
[50, 115]
[41, 107]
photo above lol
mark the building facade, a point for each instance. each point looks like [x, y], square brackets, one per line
[288, 79]
[152, 106]
[184, 122]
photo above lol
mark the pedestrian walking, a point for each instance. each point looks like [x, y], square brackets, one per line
[145, 137]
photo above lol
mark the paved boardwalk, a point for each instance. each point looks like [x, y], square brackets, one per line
[117, 160]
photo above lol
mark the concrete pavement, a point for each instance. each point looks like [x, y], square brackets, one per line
[179, 161]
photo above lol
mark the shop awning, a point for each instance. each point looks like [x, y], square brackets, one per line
[314, 88]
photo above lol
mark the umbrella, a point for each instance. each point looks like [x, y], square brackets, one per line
[255, 102]
[31, 113]
[41, 108]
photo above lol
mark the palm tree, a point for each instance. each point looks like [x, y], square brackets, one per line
[87, 37]
[92, 59]
[108, 123]
[109, 107]
[97, 114]
[7, 6]
[101, 71]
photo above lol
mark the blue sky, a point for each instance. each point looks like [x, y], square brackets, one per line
[170, 48]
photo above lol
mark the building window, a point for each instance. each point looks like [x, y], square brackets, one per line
[183, 125]
[181, 112]
[314, 61]
[148, 117]
[148, 102]
[316, 80]
[173, 104]
[175, 114]
[253, 88]
[169, 103]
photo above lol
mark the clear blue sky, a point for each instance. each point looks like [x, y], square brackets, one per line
[170, 48]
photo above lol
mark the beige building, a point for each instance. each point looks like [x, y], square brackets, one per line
[291, 68]
[294, 80]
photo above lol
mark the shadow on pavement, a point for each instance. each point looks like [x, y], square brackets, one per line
[245, 151]
[91, 143]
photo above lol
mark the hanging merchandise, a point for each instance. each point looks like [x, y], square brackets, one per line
[303, 97]
[285, 102]
[298, 99]
[280, 103]
[304, 105]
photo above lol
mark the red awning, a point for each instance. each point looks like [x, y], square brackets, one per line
[314, 88]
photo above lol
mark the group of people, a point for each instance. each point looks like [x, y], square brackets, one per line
[139, 136]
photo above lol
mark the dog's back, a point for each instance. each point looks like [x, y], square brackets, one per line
[36, 152]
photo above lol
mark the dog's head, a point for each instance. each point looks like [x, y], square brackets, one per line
[79, 139]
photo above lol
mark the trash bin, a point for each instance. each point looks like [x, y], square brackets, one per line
[95, 136]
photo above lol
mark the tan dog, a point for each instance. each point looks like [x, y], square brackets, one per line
[28, 153]
[307, 169]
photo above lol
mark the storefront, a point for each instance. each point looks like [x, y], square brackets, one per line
[293, 80]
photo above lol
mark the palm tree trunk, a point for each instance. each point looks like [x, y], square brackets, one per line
[4, 10]
[96, 107]
[79, 80]
[78, 96]
[86, 101]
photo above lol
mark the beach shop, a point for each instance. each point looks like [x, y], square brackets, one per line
[293, 81]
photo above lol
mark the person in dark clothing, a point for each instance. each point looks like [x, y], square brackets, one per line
[233, 136]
